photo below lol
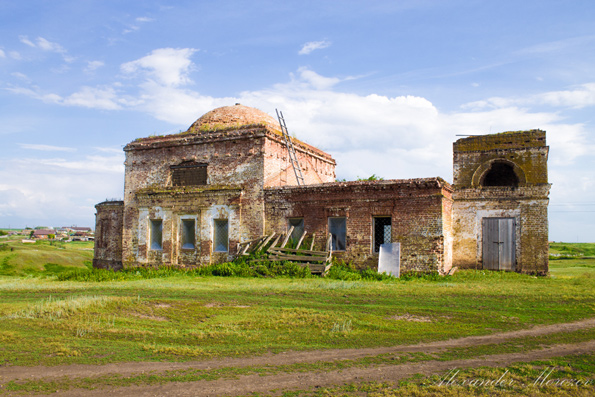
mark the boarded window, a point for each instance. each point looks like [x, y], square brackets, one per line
[298, 229]
[337, 227]
[103, 233]
[156, 234]
[382, 232]
[188, 234]
[501, 174]
[189, 173]
[221, 235]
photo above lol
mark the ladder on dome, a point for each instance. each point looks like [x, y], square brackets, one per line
[292, 156]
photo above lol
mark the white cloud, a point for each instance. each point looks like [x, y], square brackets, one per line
[58, 190]
[46, 45]
[20, 76]
[46, 148]
[36, 94]
[15, 55]
[93, 65]
[579, 97]
[2, 54]
[313, 45]
[315, 80]
[94, 97]
[89, 97]
[25, 40]
[144, 19]
[166, 66]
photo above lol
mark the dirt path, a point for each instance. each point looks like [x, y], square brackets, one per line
[244, 385]
[257, 383]
[292, 357]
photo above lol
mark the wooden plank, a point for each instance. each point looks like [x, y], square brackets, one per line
[299, 258]
[260, 244]
[292, 250]
[312, 243]
[274, 243]
[267, 240]
[287, 237]
[300, 240]
[245, 249]
[329, 242]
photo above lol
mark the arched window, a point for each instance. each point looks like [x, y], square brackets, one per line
[500, 174]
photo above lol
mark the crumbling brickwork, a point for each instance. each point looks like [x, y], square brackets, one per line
[109, 222]
[240, 147]
[416, 207]
[520, 195]
[190, 198]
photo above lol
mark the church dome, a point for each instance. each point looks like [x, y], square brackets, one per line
[232, 116]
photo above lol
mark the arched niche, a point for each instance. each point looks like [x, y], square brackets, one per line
[498, 172]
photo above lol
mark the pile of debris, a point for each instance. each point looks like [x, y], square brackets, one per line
[319, 262]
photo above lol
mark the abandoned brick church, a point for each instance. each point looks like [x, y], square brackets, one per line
[190, 199]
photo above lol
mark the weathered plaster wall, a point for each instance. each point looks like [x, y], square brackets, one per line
[417, 208]
[235, 170]
[239, 160]
[527, 203]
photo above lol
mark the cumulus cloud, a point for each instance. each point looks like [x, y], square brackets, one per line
[313, 45]
[166, 66]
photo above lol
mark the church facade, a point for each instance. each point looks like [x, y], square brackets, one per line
[191, 198]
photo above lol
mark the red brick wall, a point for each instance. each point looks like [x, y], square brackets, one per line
[416, 208]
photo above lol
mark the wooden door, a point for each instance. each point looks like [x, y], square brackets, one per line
[498, 243]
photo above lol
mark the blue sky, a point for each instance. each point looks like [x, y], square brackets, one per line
[384, 86]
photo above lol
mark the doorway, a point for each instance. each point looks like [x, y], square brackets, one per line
[499, 245]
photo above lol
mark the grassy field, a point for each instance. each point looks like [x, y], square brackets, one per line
[180, 317]
[18, 259]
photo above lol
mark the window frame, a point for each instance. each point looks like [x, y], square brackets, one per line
[183, 234]
[152, 234]
[294, 237]
[376, 247]
[335, 238]
[216, 241]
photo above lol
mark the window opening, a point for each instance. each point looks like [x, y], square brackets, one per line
[382, 232]
[189, 173]
[501, 174]
[221, 235]
[156, 234]
[337, 227]
[298, 229]
[188, 234]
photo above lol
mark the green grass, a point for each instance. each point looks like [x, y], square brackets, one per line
[179, 317]
[168, 315]
[572, 249]
[42, 257]
[563, 376]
